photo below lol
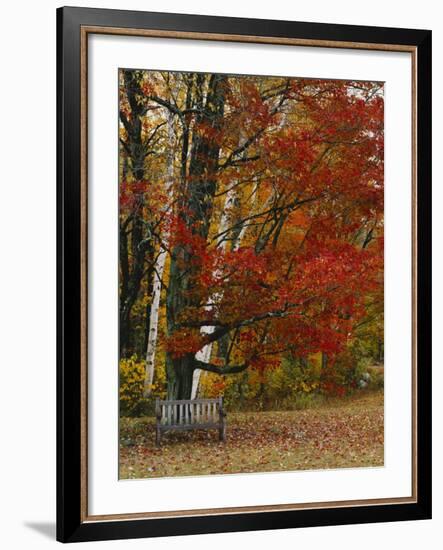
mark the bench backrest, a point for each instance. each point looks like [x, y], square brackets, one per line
[189, 411]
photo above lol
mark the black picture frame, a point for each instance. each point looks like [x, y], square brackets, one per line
[72, 526]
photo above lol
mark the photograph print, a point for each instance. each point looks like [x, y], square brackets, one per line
[251, 224]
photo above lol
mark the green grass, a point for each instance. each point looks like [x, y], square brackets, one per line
[345, 433]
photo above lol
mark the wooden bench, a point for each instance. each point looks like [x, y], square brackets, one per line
[190, 414]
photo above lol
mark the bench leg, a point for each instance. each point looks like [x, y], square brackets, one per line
[222, 430]
[158, 437]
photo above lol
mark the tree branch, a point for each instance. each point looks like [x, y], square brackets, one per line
[227, 369]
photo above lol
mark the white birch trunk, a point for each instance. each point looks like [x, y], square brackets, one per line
[158, 272]
[204, 354]
[237, 243]
[153, 322]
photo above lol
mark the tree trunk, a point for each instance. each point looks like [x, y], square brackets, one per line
[196, 207]
[324, 360]
[380, 350]
[179, 373]
[132, 243]
[204, 354]
[153, 323]
[130, 288]
[158, 272]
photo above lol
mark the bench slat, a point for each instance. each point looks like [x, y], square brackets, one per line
[182, 401]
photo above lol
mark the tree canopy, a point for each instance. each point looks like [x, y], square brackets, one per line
[251, 219]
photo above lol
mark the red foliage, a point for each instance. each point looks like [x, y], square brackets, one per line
[321, 180]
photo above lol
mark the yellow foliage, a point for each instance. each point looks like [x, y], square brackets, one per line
[132, 377]
[272, 386]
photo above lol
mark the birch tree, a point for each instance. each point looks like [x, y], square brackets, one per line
[160, 262]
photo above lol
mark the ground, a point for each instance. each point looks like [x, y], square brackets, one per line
[340, 434]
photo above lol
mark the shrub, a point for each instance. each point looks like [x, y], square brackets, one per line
[132, 376]
[377, 378]
[284, 386]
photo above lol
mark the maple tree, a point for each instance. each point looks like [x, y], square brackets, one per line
[251, 220]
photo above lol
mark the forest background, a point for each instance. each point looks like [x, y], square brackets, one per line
[251, 239]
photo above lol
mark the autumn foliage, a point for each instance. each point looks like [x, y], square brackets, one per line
[263, 198]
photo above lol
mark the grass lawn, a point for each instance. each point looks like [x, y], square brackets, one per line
[341, 434]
